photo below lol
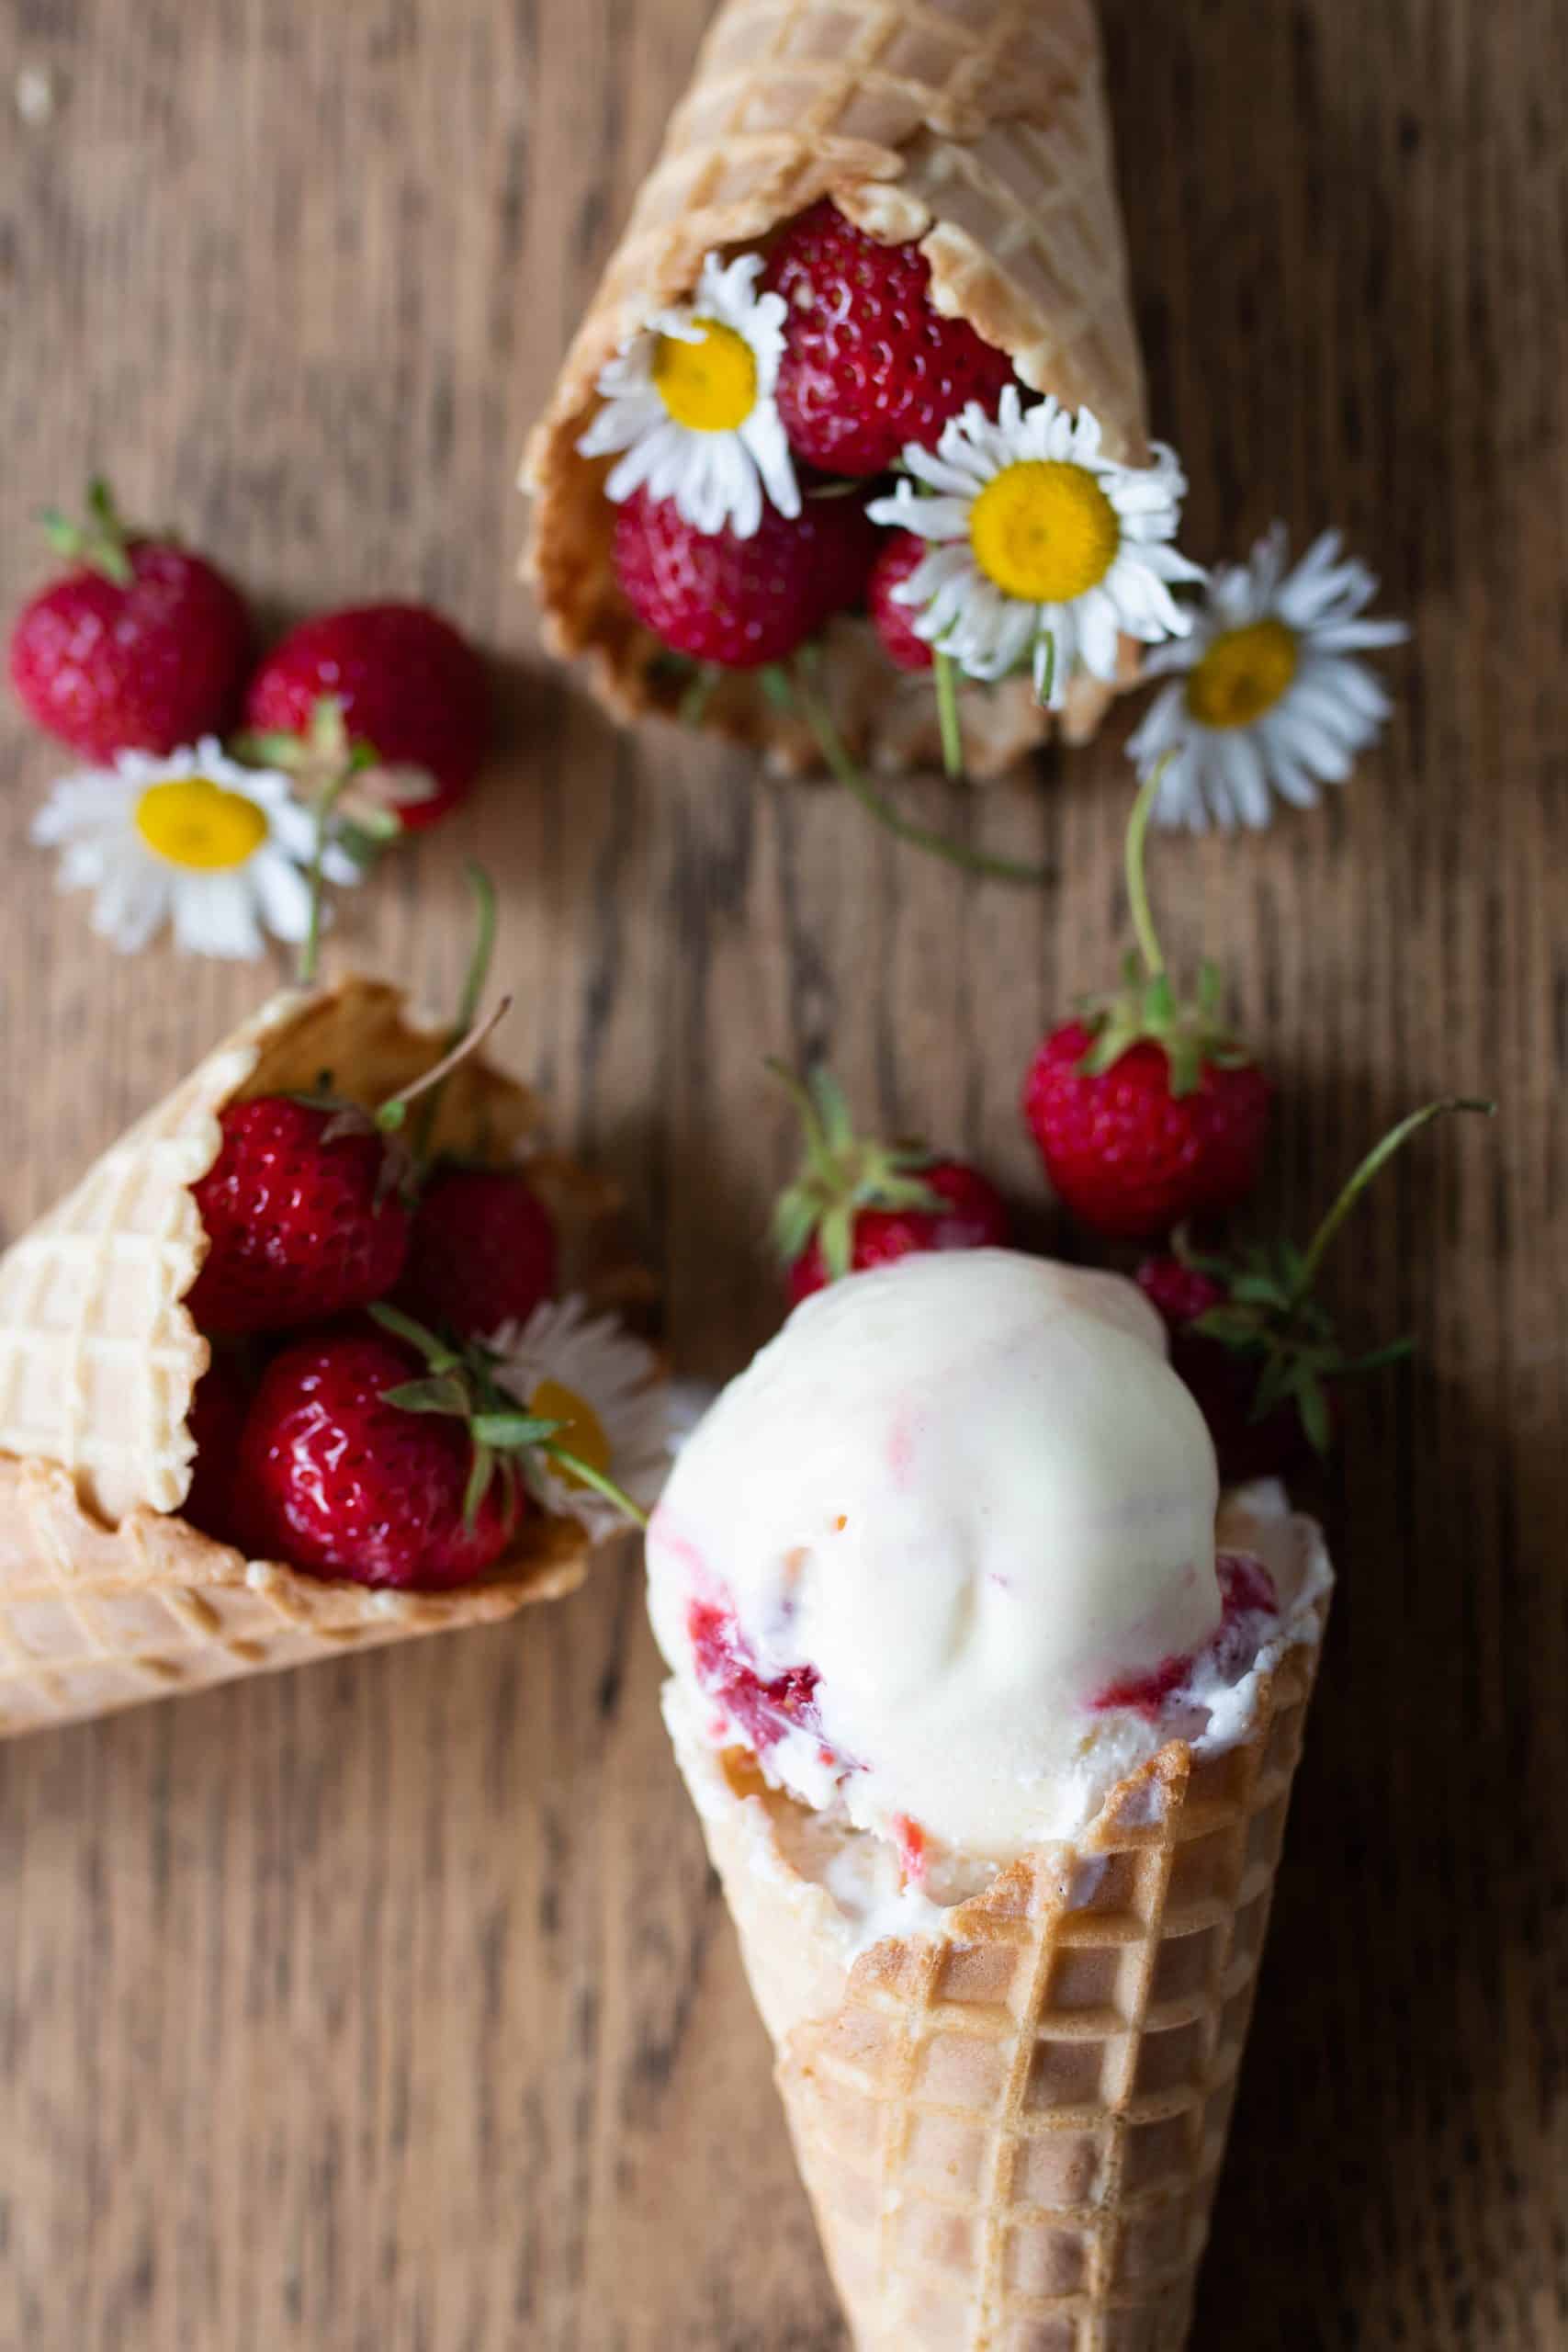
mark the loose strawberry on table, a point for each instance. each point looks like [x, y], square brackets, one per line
[858, 1203]
[1147, 1109]
[142, 647]
[407, 685]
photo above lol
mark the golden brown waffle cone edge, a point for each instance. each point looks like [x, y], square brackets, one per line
[1010, 2134]
[977, 127]
[106, 1595]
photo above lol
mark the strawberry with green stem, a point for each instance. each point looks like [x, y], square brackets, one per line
[1147, 1108]
[858, 1203]
[308, 1207]
[390, 1457]
[483, 1250]
[1254, 1341]
[142, 646]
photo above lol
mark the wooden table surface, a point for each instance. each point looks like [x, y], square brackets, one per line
[391, 2004]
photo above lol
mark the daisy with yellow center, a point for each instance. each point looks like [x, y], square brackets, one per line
[1044, 550]
[219, 852]
[601, 1386]
[690, 402]
[1267, 698]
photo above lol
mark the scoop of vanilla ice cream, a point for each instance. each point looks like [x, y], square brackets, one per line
[954, 1503]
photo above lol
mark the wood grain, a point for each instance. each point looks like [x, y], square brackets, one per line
[390, 2005]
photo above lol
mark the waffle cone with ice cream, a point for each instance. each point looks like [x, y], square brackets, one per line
[107, 1594]
[977, 130]
[1008, 2060]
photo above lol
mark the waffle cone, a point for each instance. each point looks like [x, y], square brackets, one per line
[977, 127]
[1010, 2129]
[107, 1594]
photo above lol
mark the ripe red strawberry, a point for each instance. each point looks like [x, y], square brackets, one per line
[868, 365]
[1223, 1382]
[338, 1478]
[406, 683]
[900, 552]
[741, 603]
[217, 1416]
[482, 1252]
[1147, 1109]
[1131, 1146]
[858, 1203]
[301, 1218]
[143, 647]
[1257, 1349]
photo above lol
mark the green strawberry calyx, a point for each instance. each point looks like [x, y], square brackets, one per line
[1271, 1312]
[461, 1382]
[102, 543]
[840, 1174]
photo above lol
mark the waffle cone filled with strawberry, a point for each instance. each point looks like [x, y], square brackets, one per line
[243, 1420]
[990, 1705]
[867, 220]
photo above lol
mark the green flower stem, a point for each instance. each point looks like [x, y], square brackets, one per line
[594, 1479]
[474, 979]
[947, 712]
[1047, 685]
[392, 1113]
[1380, 1154]
[311, 945]
[815, 712]
[1149, 947]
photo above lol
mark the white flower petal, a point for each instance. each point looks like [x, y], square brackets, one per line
[1358, 636]
[764, 437]
[283, 895]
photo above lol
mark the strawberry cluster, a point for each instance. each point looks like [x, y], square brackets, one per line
[348, 1422]
[869, 366]
[1150, 1115]
[144, 645]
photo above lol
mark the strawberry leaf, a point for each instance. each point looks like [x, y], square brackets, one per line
[447, 1394]
[480, 1472]
[507, 1432]
[1232, 1326]
[1313, 1406]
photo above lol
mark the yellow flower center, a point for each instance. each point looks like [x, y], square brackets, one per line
[581, 1432]
[1045, 531]
[196, 822]
[711, 386]
[1242, 675]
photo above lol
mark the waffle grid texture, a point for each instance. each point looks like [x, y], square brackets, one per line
[976, 128]
[1011, 2132]
[106, 1595]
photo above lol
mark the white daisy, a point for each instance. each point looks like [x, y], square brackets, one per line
[690, 402]
[1044, 550]
[1270, 699]
[586, 1372]
[219, 851]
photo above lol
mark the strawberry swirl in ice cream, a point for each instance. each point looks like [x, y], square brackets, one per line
[944, 1559]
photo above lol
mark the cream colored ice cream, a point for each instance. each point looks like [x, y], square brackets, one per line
[944, 1555]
